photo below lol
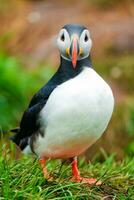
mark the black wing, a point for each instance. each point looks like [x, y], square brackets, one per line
[28, 125]
[29, 122]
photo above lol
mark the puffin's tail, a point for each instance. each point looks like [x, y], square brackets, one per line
[15, 130]
[21, 142]
[15, 137]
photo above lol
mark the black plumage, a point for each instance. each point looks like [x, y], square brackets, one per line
[75, 28]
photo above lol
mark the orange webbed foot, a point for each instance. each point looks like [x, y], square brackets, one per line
[89, 181]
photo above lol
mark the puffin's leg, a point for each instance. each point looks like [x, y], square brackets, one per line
[78, 178]
[42, 162]
[75, 171]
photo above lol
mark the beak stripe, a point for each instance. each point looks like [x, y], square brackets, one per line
[74, 52]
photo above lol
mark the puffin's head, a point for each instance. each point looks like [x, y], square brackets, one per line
[74, 42]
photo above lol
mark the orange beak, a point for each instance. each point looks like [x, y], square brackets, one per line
[74, 51]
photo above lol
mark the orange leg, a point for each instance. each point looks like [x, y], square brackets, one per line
[78, 178]
[75, 171]
[42, 162]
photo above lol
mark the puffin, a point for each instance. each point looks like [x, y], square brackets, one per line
[71, 111]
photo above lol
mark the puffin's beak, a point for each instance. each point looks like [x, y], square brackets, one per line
[74, 50]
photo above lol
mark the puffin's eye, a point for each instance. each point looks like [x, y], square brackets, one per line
[86, 38]
[62, 37]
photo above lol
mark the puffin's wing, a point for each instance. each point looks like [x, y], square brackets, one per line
[29, 122]
[28, 125]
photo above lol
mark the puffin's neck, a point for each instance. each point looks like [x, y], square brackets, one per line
[67, 69]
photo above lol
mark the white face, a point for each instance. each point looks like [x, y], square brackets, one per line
[84, 44]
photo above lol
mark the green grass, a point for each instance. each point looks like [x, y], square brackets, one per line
[23, 179]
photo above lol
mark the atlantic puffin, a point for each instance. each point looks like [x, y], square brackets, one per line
[69, 113]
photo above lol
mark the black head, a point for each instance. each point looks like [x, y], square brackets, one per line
[74, 29]
[74, 43]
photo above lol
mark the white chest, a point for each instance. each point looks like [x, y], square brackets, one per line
[75, 116]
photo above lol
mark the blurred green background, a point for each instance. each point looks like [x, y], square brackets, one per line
[29, 57]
